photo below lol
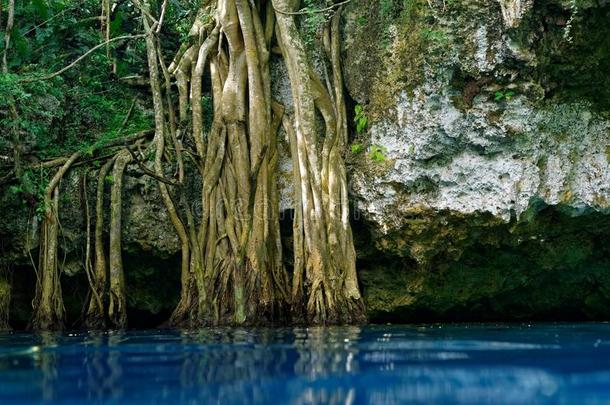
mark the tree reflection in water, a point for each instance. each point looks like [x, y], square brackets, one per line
[473, 364]
[224, 364]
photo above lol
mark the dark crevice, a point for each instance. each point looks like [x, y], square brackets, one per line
[552, 268]
[152, 286]
[286, 232]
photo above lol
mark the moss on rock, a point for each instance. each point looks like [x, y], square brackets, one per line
[573, 51]
[554, 267]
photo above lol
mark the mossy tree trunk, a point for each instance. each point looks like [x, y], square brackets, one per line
[49, 312]
[117, 305]
[235, 273]
[5, 298]
[232, 271]
[48, 303]
[325, 286]
[14, 130]
[96, 313]
[108, 278]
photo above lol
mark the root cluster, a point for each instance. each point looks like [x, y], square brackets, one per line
[232, 271]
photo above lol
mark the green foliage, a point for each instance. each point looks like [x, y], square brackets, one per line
[434, 35]
[357, 148]
[504, 95]
[150, 156]
[377, 153]
[314, 19]
[34, 102]
[386, 8]
[86, 105]
[179, 18]
[109, 179]
[360, 119]
[31, 188]
[65, 198]
[208, 112]
[16, 189]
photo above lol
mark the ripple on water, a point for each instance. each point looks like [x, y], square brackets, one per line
[467, 364]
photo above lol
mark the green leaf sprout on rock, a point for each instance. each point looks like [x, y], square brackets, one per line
[360, 119]
[377, 153]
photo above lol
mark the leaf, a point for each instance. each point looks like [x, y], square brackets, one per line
[361, 125]
[498, 96]
[115, 24]
[377, 153]
[378, 156]
[41, 8]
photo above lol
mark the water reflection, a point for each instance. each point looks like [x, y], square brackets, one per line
[343, 365]
[46, 361]
[324, 351]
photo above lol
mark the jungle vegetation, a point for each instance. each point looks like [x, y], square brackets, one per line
[181, 90]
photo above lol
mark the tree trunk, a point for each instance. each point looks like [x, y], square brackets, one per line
[96, 318]
[117, 306]
[5, 298]
[325, 287]
[235, 273]
[48, 302]
[15, 138]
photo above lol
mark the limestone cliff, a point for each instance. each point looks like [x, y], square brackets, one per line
[492, 195]
[480, 184]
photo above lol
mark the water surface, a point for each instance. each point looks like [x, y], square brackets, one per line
[464, 364]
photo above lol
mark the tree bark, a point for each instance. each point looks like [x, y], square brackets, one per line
[5, 298]
[96, 313]
[117, 305]
[232, 271]
[49, 309]
[325, 288]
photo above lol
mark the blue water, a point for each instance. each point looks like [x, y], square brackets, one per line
[464, 364]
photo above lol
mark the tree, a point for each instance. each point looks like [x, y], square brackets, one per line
[235, 273]
[216, 124]
[325, 286]
[232, 271]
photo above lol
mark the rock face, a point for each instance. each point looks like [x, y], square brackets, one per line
[479, 123]
[481, 184]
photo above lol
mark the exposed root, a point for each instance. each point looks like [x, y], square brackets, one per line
[232, 271]
[48, 303]
[95, 318]
[325, 287]
[5, 297]
[117, 306]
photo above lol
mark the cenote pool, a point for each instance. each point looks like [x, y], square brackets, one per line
[466, 364]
